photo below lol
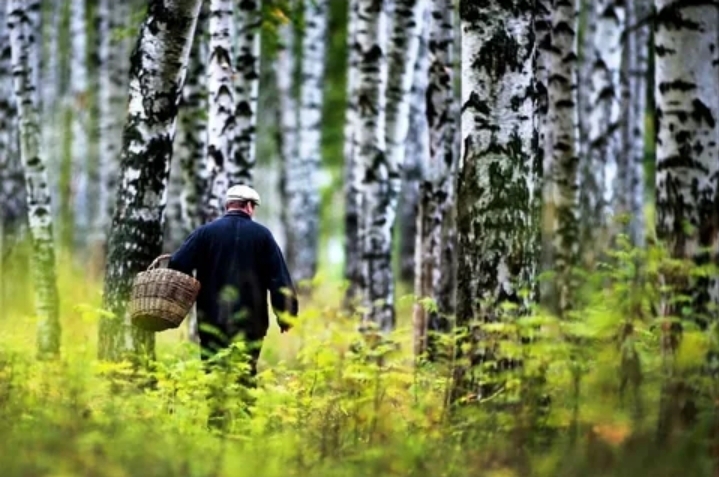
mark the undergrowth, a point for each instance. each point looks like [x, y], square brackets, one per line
[585, 400]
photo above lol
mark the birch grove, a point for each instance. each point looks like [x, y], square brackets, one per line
[496, 218]
[24, 29]
[158, 67]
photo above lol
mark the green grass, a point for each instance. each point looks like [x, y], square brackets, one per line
[325, 409]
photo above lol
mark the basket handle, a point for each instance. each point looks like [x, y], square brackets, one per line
[157, 260]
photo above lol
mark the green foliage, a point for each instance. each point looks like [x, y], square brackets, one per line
[582, 399]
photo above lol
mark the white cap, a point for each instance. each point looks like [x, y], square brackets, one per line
[242, 192]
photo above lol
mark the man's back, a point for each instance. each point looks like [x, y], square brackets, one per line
[237, 261]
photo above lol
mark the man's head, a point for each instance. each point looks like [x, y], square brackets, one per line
[242, 197]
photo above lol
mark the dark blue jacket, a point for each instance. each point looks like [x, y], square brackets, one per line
[237, 261]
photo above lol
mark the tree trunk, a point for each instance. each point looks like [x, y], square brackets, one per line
[436, 187]
[79, 102]
[221, 122]
[604, 133]
[561, 159]
[352, 167]
[301, 183]
[416, 153]
[376, 287]
[687, 203]
[496, 215]
[248, 22]
[158, 67]
[634, 84]
[23, 23]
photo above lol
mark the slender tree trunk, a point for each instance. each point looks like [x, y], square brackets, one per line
[193, 122]
[352, 166]
[604, 134]
[496, 221]
[417, 152]
[80, 107]
[287, 119]
[247, 47]
[376, 285]
[560, 221]
[23, 23]
[436, 187]
[301, 183]
[634, 85]
[221, 123]
[687, 204]
[158, 67]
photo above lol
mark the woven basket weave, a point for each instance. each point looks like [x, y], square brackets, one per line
[161, 298]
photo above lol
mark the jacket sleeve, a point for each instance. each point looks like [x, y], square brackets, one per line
[185, 259]
[282, 290]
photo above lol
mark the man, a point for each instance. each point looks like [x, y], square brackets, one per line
[237, 262]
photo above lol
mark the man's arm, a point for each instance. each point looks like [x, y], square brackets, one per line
[282, 290]
[185, 259]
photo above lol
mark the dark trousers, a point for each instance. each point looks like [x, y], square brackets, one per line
[232, 365]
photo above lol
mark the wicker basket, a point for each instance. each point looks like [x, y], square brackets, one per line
[161, 298]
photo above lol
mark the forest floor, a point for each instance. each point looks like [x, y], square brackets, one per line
[321, 409]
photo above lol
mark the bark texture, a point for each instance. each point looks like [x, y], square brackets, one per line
[222, 120]
[561, 160]
[437, 188]
[352, 167]
[416, 153]
[301, 185]
[247, 85]
[158, 67]
[496, 207]
[376, 283]
[24, 28]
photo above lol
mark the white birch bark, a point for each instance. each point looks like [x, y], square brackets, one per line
[416, 153]
[158, 67]
[221, 123]
[436, 188]
[561, 159]
[24, 26]
[687, 110]
[604, 133]
[376, 283]
[352, 167]
[247, 84]
[496, 216]
[634, 83]
[80, 106]
[287, 117]
[301, 184]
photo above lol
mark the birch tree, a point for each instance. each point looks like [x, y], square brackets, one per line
[416, 153]
[634, 85]
[301, 180]
[436, 187]
[248, 22]
[158, 66]
[221, 122]
[604, 138]
[79, 105]
[352, 166]
[496, 216]
[560, 150]
[24, 28]
[376, 287]
[687, 203]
